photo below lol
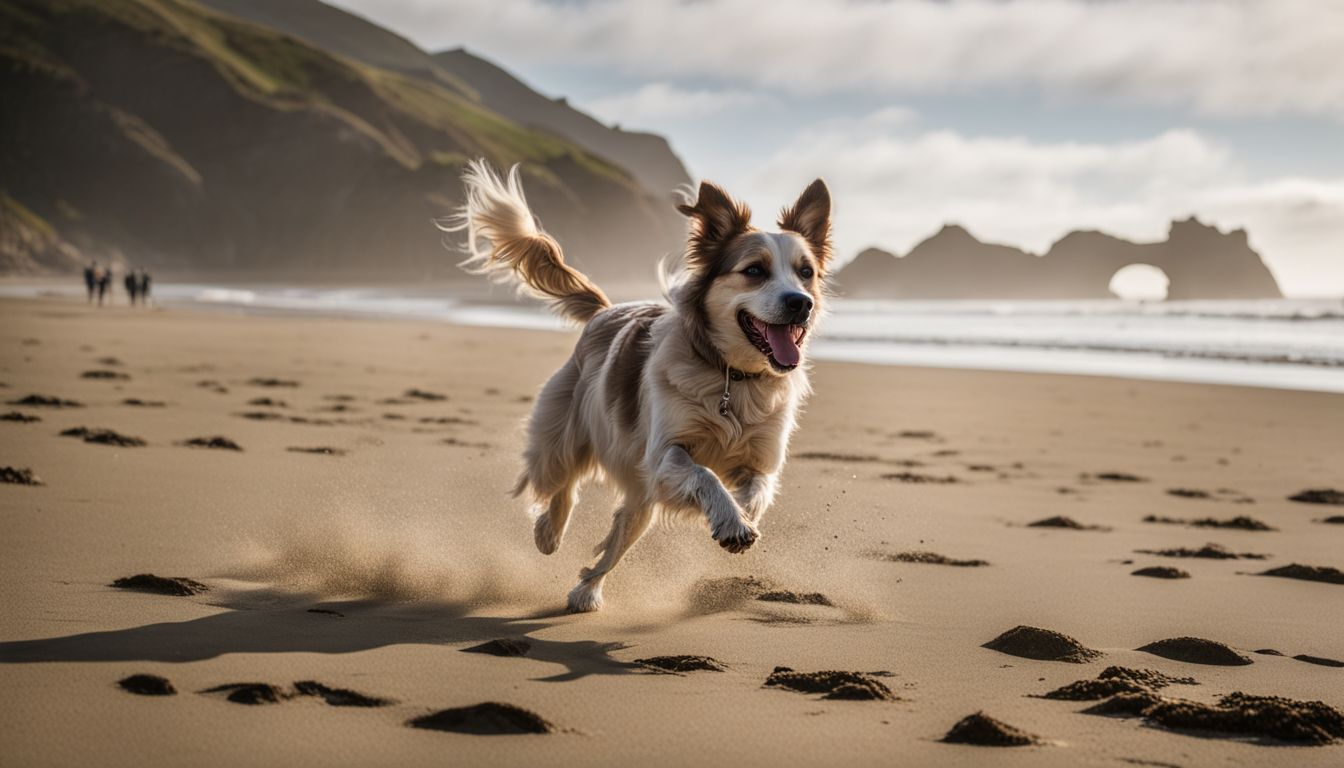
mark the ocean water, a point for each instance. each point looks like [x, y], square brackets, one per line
[1285, 343]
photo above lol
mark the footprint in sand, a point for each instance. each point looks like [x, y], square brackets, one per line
[1196, 650]
[46, 401]
[1324, 574]
[1042, 644]
[680, 664]
[147, 685]
[1162, 572]
[267, 381]
[487, 719]
[420, 394]
[267, 402]
[1114, 477]
[981, 730]
[178, 586]
[19, 417]
[249, 693]
[104, 437]
[19, 476]
[1236, 714]
[927, 558]
[138, 403]
[104, 375]
[217, 442]
[320, 450]
[1068, 523]
[832, 684]
[1208, 551]
[1313, 496]
[921, 479]
[1241, 522]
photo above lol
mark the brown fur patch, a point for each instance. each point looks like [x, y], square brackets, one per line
[627, 365]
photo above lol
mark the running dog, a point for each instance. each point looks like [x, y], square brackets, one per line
[687, 405]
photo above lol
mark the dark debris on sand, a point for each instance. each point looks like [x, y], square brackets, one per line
[504, 646]
[982, 730]
[1189, 493]
[487, 719]
[1320, 573]
[420, 394]
[680, 664]
[266, 381]
[178, 586]
[1114, 680]
[1060, 521]
[1305, 722]
[1196, 650]
[1042, 644]
[250, 693]
[320, 449]
[104, 375]
[914, 477]
[218, 442]
[1333, 520]
[138, 403]
[147, 685]
[1208, 551]
[1240, 522]
[338, 697]
[795, 598]
[267, 402]
[1116, 477]
[832, 684]
[19, 476]
[104, 437]
[930, 558]
[1319, 660]
[45, 401]
[20, 417]
[1162, 572]
[1312, 496]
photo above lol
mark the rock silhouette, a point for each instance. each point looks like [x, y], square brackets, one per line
[1201, 262]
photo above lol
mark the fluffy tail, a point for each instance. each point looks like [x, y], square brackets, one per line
[520, 251]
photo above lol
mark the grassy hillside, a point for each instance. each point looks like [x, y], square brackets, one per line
[193, 140]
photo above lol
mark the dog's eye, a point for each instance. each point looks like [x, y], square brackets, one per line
[755, 270]
[806, 273]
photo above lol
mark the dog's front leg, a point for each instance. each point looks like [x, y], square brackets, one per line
[681, 482]
[754, 491]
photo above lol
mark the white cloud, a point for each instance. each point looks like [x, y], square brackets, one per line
[659, 101]
[895, 190]
[1224, 57]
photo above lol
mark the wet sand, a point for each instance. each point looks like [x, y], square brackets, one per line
[360, 536]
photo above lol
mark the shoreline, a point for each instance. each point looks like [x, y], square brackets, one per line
[1273, 367]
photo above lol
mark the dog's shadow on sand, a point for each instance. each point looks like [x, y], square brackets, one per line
[273, 622]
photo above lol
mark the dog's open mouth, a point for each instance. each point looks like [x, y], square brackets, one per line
[781, 344]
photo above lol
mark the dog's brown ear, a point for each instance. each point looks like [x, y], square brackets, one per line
[715, 219]
[810, 216]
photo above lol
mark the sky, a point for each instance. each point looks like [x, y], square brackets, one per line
[1019, 120]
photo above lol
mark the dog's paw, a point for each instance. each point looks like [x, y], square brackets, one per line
[547, 538]
[585, 598]
[736, 537]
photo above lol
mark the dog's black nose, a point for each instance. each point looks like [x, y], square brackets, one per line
[799, 307]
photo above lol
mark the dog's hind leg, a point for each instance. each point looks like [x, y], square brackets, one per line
[557, 458]
[630, 522]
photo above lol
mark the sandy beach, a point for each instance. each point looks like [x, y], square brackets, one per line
[361, 536]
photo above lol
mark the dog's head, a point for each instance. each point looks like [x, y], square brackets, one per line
[753, 296]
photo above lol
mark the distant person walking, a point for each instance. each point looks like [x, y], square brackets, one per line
[104, 275]
[91, 278]
[145, 280]
[132, 284]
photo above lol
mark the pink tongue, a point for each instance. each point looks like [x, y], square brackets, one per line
[782, 347]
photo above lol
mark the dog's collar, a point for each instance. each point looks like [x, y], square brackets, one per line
[731, 374]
